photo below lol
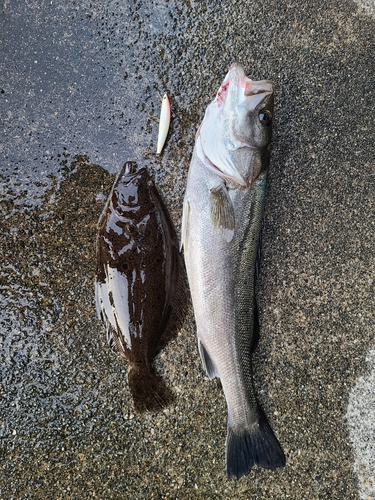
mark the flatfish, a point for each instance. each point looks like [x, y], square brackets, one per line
[137, 279]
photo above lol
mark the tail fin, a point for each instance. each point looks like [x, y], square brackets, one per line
[251, 447]
[148, 389]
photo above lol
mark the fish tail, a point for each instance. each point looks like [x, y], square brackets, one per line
[251, 447]
[148, 389]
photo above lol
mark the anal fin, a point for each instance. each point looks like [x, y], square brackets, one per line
[208, 365]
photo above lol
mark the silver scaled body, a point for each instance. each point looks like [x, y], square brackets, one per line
[222, 219]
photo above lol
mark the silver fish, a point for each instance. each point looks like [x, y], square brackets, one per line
[221, 227]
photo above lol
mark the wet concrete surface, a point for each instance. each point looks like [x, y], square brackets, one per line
[79, 82]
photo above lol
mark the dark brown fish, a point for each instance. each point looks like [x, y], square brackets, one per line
[137, 279]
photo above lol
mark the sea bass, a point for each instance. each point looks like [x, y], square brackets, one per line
[137, 278]
[221, 225]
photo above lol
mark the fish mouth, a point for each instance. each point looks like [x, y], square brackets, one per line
[259, 87]
[255, 93]
[247, 91]
[240, 107]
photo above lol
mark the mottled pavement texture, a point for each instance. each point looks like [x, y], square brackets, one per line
[78, 82]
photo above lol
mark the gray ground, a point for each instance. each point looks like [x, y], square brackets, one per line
[78, 81]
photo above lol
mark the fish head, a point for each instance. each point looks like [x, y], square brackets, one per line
[130, 191]
[247, 108]
[237, 127]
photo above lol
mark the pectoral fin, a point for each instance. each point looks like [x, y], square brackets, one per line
[222, 211]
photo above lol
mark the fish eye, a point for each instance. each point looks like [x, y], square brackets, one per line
[265, 117]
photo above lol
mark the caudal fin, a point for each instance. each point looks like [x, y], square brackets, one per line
[251, 447]
[148, 390]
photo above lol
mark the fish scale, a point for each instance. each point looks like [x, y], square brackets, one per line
[221, 225]
[246, 274]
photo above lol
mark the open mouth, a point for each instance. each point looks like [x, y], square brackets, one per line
[260, 87]
[256, 92]
[251, 91]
